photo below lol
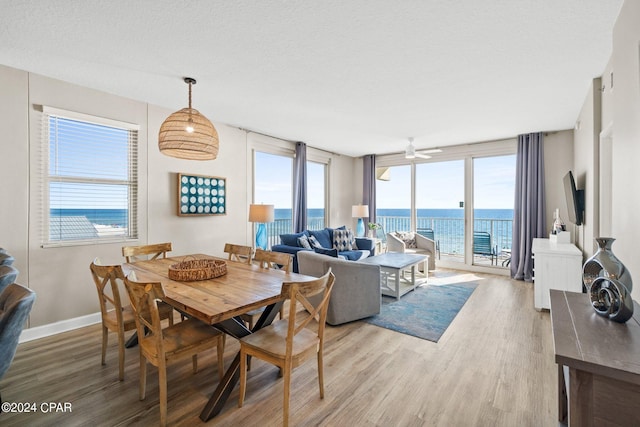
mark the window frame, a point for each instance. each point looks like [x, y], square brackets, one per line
[132, 181]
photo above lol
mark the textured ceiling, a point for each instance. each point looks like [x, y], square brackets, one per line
[353, 77]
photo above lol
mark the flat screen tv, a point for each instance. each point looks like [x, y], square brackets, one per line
[575, 199]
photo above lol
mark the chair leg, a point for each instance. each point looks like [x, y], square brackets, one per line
[143, 377]
[121, 354]
[162, 384]
[243, 377]
[287, 392]
[105, 342]
[194, 359]
[321, 374]
[171, 318]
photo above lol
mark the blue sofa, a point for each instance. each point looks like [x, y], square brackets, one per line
[289, 244]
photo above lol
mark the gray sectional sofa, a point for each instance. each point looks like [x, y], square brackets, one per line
[356, 292]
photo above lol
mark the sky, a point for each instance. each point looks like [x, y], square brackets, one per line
[439, 185]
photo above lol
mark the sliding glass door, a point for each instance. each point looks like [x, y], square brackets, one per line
[440, 206]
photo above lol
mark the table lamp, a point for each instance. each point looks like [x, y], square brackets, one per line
[261, 214]
[360, 211]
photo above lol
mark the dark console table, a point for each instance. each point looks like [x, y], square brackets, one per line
[601, 360]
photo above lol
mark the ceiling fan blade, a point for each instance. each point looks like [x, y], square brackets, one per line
[430, 151]
[422, 156]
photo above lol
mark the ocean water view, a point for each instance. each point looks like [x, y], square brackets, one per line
[447, 224]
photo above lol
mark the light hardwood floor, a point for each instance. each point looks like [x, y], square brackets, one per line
[492, 367]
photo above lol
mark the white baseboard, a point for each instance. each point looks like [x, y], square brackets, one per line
[31, 334]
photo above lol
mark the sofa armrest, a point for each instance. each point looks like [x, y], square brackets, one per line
[394, 243]
[365, 243]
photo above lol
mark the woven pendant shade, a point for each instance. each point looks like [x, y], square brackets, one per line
[187, 134]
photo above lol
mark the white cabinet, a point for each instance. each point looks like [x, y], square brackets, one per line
[556, 266]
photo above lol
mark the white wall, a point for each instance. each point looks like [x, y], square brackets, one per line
[60, 276]
[613, 111]
[585, 170]
[626, 139]
[558, 160]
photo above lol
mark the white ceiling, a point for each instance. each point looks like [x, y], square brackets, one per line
[352, 77]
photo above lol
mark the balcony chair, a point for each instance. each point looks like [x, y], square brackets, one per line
[482, 246]
[146, 252]
[16, 302]
[239, 253]
[116, 317]
[429, 234]
[287, 343]
[8, 275]
[422, 246]
[162, 346]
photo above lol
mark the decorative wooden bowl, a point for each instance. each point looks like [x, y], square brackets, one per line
[197, 269]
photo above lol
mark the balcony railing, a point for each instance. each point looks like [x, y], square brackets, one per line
[450, 231]
[285, 226]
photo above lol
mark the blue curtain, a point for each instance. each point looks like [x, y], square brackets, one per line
[300, 188]
[529, 219]
[369, 184]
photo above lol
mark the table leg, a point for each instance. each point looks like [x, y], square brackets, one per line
[398, 273]
[236, 329]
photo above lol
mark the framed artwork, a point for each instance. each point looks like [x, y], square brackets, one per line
[201, 195]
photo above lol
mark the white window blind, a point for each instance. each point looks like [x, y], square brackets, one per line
[90, 180]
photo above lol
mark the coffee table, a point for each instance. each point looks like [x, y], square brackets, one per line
[393, 263]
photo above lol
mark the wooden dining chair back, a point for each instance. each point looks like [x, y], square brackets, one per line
[116, 312]
[268, 259]
[239, 253]
[162, 346]
[287, 343]
[271, 259]
[146, 252]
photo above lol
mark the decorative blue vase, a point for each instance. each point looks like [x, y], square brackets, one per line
[360, 228]
[261, 236]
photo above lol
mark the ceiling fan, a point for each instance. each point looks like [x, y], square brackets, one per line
[411, 153]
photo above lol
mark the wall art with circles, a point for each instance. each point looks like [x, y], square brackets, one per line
[201, 195]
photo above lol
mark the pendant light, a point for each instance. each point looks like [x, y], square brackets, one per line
[187, 134]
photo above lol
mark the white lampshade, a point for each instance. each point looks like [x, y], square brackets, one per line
[261, 213]
[360, 211]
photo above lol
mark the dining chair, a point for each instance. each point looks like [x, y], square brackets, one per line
[146, 252]
[116, 316]
[162, 346]
[16, 302]
[268, 259]
[287, 343]
[8, 275]
[239, 253]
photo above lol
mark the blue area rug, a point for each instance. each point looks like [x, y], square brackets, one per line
[424, 313]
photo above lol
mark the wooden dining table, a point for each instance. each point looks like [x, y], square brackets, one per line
[219, 302]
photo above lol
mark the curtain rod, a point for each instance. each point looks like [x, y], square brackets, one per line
[288, 140]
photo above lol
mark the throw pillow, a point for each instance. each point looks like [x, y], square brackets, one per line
[314, 242]
[303, 242]
[323, 237]
[342, 240]
[408, 238]
[291, 239]
[330, 252]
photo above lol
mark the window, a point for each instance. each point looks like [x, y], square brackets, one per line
[273, 185]
[90, 182]
[393, 199]
[316, 195]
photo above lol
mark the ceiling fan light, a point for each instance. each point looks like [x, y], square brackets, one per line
[187, 134]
